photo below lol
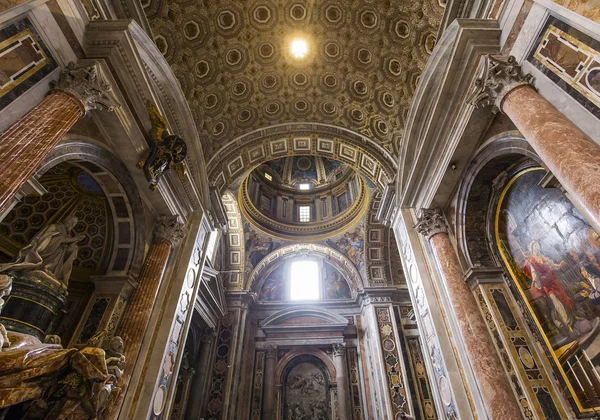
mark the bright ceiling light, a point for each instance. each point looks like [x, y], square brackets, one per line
[299, 48]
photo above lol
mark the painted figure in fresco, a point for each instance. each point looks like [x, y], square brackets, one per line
[272, 288]
[540, 270]
[257, 248]
[592, 286]
[51, 253]
[336, 287]
[352, 244]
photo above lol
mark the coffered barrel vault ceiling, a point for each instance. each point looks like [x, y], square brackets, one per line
[233, 62]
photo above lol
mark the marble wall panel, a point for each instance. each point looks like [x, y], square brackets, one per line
[24, 60]
[571, 59]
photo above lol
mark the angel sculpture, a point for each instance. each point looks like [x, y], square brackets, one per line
[166, 151]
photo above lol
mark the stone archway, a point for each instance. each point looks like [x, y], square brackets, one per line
[333, 257]
[305, 383]
[241, 155]
[234, 242]
[125, 201]
[475, 192]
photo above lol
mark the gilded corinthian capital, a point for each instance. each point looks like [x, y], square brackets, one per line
[431, 222]
[169, 229]
[84, 84]
[501, 75]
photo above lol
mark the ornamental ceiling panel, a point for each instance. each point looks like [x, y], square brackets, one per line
[233, 62]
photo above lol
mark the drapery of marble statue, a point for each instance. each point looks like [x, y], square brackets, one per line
[58, 383]
[50, 255]
[5, 288]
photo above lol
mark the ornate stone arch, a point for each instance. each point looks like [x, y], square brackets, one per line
[377, 246]
[124, 199]
[277, 257]
[292, 356]
[234, 242]
[241, 155]
[486, 174]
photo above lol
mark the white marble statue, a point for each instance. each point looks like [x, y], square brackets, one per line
[50, 254]
[5, 288]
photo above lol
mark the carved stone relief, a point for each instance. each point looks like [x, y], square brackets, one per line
[306, 393]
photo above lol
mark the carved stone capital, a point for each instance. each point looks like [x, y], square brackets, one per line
[84, 84]
[431, 222]
[169, 229]
[271, 352]
[339, 349]
[501, 75]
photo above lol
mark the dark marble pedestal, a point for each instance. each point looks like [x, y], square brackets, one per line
[34, 305]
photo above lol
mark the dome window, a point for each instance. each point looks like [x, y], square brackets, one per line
[304, 213]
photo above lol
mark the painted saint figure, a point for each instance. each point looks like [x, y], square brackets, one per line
[51, 253]
[540, 270]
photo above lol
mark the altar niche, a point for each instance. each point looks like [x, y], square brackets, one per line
[58, 243]
[306, 393]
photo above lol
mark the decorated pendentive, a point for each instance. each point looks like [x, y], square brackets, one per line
[167, 151]
[39, 276]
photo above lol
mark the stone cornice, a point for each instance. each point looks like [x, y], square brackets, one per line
[441, 127]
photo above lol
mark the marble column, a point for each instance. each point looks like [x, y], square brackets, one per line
[28, 141]
[269, 400]
[493, 383]
[134, 321]
[341, 377]
[571, 155]
[198, 390]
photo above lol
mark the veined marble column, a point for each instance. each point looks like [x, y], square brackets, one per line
[494, 386]
[198, 389]
[134, 321]
[570, 154]
[341, 377]
[27, 142]
[269, 382]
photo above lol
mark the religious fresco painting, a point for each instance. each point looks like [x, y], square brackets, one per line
[257, 245]
[571, 59]
[273, 287]
[553, 256]
[334, 284]
[351, 244]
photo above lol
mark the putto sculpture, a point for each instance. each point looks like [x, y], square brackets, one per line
[166, 151]
[50, 254]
